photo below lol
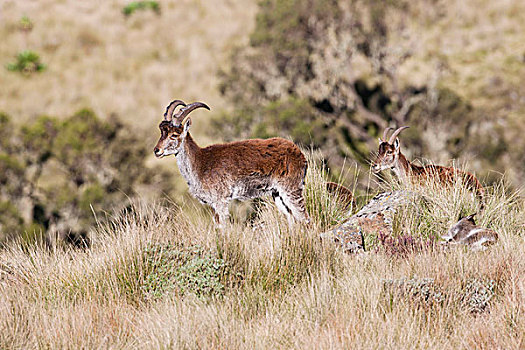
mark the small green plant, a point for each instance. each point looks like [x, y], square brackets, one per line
[129, 9]
[182, 270]
[477, 294]
[27, 62]
[25, 24]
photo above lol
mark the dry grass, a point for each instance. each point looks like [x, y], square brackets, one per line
[478, 44]
[98, 58]
[283, 288]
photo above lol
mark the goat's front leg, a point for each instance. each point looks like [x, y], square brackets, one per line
[222, 214]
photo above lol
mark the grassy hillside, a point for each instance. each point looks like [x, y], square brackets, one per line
[160, 275]
[96, 57]
[165, 278]
[100, 59]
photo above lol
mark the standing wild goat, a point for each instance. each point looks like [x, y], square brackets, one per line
[246, 169]
[390, 157]
[466, 232]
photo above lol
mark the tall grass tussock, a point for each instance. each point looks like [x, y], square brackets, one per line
[164, 277]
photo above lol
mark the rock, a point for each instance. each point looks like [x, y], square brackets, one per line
[377, 216]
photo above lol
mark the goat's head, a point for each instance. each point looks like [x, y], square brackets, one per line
[174, 128]
[389, 151]
[460, 228]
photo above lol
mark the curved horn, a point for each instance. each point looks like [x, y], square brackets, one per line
[182, 116]
[385, 133]
[168, 115]
[396, 133]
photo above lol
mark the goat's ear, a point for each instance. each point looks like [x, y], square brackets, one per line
[396, 144]
[186, 125]
[471, 218]
[380, 141]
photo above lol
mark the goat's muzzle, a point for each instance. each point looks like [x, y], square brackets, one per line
[158, 152]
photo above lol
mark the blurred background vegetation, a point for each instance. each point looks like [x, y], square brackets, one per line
[335, 74]
[84, 85]
[60, 176]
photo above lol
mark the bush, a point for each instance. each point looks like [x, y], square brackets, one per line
[477, 294]
[64, 175]
[27, 62]
[10, 219]
[325, 72]
[129, 9]
[25, 24]
[182, 270]
[472, 294]
[420, 291]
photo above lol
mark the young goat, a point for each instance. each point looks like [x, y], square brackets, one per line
[390, 157]
[466, 232]
[246, 169]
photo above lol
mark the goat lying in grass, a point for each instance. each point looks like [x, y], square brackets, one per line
[466, 232]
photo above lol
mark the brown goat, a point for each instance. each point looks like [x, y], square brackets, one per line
[242, 170]
[344, 194]
[466, 232]
[390, 157]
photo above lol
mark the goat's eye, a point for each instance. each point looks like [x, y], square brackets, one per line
[173, 137]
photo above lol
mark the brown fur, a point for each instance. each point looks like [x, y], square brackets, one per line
[466, 232]
[241, 170]
[273, 157]
[343, 194]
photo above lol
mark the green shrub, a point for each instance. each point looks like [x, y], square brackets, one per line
[182, 270]
[71, 172]
[129, 9]
[38, 137]
[477, 294]
[25, 24]
[27, 62]
[10, 219]
[472, 294]
[91, 195]
[421, 291]
[9, 167]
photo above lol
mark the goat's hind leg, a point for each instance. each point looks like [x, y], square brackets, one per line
[294, 201]
[283, 208]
